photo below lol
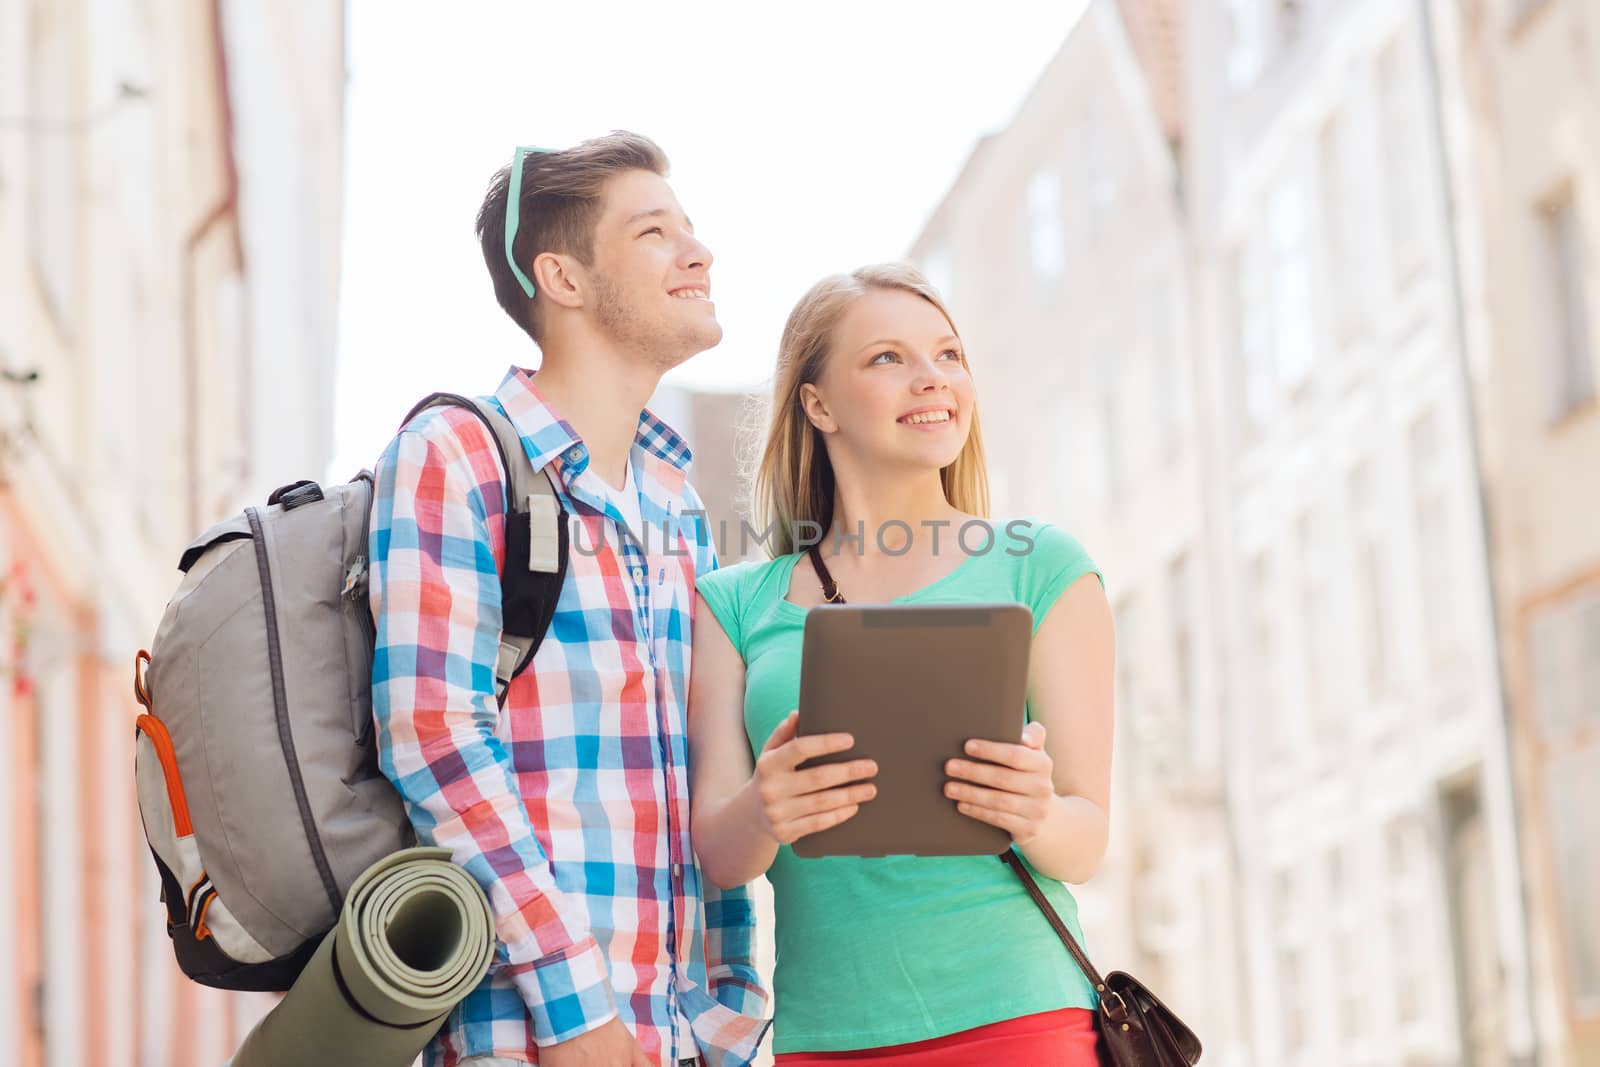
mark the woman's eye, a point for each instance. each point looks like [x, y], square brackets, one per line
[952, 353]
[880, 355]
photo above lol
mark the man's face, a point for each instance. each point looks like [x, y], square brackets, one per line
[651, 277]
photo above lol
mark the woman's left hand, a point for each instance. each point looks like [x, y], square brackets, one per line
[1012, 789]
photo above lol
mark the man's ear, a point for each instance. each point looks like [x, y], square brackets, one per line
[816, 409]
[559, 279]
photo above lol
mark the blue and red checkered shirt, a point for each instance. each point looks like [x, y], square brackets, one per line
[570, 807]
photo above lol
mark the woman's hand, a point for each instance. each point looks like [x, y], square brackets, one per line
[1013, 789]
[794, 803]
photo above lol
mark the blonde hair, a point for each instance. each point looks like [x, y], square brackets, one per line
[794, 480]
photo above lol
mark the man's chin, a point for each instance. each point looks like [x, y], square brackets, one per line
[686, 346]
[705, 337]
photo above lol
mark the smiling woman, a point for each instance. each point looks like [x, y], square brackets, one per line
[899, 358]
[928, 960]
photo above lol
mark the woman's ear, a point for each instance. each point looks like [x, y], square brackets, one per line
[816, 409]
[557, 279]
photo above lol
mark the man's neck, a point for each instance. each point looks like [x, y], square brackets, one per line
[601, 398]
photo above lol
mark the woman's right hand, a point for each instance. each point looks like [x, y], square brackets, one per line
[794, 803]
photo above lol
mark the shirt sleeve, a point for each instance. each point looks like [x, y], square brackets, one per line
[729, 914]
[1055, 560]
[437, 528]
[721, 592]
[730, 950]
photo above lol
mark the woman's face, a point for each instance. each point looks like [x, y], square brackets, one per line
[894, 388]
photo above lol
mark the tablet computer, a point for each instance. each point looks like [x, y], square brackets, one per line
[912, 684]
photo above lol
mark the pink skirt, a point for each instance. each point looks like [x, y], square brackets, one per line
[1065, 1038]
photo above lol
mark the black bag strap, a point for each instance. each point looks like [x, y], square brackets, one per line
[830, 590]
[536, 540]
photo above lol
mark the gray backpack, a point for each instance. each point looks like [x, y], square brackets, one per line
[256, 768]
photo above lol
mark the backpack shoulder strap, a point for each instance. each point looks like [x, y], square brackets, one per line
[536, 540]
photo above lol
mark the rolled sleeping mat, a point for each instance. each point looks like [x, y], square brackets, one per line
[414, 937]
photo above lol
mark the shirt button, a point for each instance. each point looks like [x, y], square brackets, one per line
[677, 870]
[638, 574]
[575, 455]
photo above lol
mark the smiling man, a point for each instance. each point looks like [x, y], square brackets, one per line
[570, 805]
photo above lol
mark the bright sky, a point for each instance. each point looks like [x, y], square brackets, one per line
[804, 140]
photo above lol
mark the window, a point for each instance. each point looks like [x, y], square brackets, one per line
[1252, 332]
[53, 212]
[1339, 261]
[1245, 57]
[1589, 662]
[1291, 284]
[1554, 693]
[1264, 624]
[1291, 18]
[1573, 781]
[1408, 915]
[1436, 539]
[1293, 961]
[1369, 560]
[1292, 968]
[1181, 600]
[1091, 143]
[1164, 367]
[1047, 239]
[1350, 944]
[1111, 412]
[936, 268]
[1317, 627]
[1572, 358]
[1130, 699]
[1399, 113]
[1565, 651]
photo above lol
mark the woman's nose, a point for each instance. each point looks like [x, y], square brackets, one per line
[929, 377]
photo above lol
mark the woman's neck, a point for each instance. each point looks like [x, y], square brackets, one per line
[892, 517]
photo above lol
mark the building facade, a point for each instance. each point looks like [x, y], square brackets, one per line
[1261, 338]
[170, 195]
[1062, 252]
[1372, 800]
[1527, 174]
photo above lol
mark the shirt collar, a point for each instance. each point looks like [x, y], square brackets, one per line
[550, 438]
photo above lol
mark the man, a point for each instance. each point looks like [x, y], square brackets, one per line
[570, 806]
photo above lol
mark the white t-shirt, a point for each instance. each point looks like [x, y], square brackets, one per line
[626, 501]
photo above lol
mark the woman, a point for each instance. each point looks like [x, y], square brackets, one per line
[899, 960]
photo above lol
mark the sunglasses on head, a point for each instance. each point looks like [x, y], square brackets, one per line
[514, 212]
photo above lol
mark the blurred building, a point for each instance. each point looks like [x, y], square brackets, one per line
[1368, 773]
[721, 427]
[1528, 181]
[170, 196]
[1062, 252]
[1257, 294]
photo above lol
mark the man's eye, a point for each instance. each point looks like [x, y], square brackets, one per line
[651, 230]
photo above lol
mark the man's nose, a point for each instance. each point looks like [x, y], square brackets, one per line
[696, 256]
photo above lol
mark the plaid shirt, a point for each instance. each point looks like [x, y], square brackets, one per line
[571, 808]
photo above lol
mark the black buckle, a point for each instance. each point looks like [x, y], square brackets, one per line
[295, 494]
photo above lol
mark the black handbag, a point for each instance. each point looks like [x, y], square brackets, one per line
[1136, 1028]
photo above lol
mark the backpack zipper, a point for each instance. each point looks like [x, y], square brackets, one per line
[280, 704]
[161, 741]
[356, 585]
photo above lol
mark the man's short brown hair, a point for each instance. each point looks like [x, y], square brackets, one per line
[558, 209]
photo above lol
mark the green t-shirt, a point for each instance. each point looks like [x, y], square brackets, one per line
[885, 951]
